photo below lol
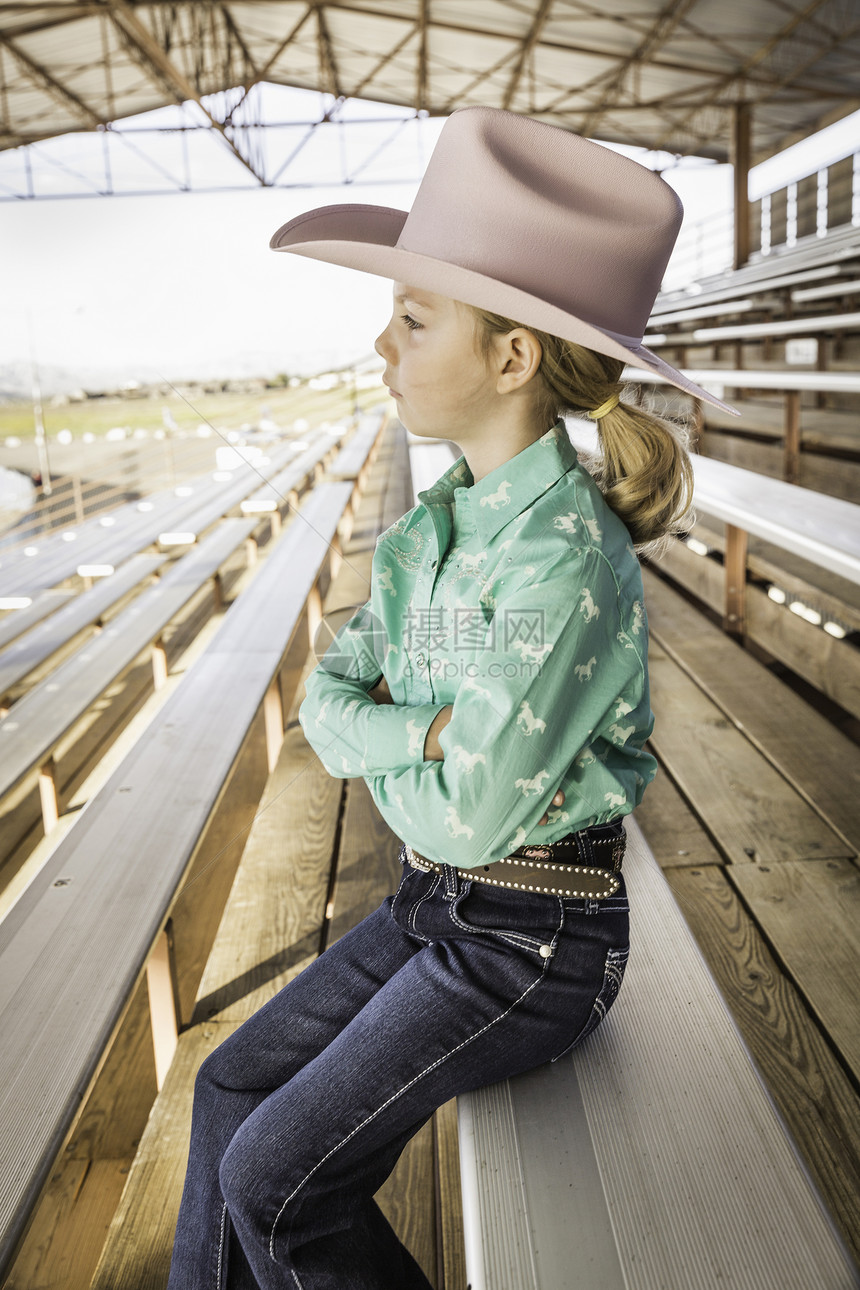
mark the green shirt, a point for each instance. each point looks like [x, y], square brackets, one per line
[519, 601]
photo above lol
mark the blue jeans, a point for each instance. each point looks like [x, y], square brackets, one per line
[300, 1116]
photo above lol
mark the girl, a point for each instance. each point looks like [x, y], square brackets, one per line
[493, 693]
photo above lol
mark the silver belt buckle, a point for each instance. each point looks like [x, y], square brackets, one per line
[414, 861]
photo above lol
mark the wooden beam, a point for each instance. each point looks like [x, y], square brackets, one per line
[421, 82]
[328, 63]
[163, 1003]
[61, 93]
[736, 580]
[741, 149]
[531, 39]
[666, 22]
[792, 436]
[127, 22]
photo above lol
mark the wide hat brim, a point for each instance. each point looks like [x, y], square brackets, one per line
[365, 237]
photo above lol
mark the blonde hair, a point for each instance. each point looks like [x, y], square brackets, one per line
[644, 470]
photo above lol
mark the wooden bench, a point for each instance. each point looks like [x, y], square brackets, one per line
[27, 612]
[35, 725]
[283, 490]
[796, 443]
[652, 1156]
[74, 947]
[808, 325]
[231, 495]
[34, 647]
[104, 542]
[606, 1161]
[323, 841]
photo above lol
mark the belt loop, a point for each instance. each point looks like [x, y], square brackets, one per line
[450, 873]
[586, 848]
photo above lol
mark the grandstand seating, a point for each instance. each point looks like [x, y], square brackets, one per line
[772, 786]
[74, 945]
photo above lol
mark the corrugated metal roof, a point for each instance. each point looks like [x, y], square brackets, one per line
[662, 75]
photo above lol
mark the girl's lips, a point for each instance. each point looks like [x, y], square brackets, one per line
[393, 393]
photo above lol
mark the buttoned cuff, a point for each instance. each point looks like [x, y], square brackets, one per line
[395, 735]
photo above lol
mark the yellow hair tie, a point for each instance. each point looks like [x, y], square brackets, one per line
[611, 402]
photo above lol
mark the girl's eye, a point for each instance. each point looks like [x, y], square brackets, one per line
[411, 323]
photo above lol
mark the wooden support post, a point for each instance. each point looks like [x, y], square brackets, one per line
[293, 499]
[48, 794]
[314, 614]
[79, 499]
[276, 523]
[159, 664]
[734, 620]
[791, 460]
[273, 721]
[250, 552]
[217, 593]
[741, 135]
[336, 556]
[163, 1002]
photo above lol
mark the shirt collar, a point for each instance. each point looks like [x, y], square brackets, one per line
[509, 489]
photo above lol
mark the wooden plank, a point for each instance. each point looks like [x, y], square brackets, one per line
[810, 914]
[833, 666]
[70, 1226]
[451, 1257]
[654, 1143]
[406, 1200]
[810, 1089]
[368, 869]
[674, 833]
[32, 649]
[804, 746]
[750, 810]
[705, 578]
[272, 921]
[39, 720]
[138, 1249]
[17, 621]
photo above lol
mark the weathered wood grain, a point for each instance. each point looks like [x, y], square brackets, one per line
[752, 812]
[810, 1089]
[831, 665]
[451, 1259]
[407, 1201]
[70, 1226]
[674, 833]
[810, 914]
[138, 1249]
[805, 747]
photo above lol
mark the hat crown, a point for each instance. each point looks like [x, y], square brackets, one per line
[548, 212]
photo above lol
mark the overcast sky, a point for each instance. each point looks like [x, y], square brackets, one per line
[185, 284]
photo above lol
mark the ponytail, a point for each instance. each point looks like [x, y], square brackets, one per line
[643, 470]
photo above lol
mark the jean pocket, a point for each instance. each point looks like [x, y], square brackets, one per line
[613, 975]
[521, 920]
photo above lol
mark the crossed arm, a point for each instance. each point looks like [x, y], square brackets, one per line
[432, 748]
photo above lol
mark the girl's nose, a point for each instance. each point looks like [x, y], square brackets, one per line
[382, 344]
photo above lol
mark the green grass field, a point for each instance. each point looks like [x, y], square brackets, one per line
[225, 411]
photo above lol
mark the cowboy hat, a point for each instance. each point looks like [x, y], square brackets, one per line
[525, 220]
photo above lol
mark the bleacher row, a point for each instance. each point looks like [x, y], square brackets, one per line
[654, 1156]
[798, 410]
[95, 915]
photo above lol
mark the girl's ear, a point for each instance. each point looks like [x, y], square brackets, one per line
[518, 357]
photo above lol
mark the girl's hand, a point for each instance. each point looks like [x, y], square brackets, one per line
[558, 800]
[380, 692]
[432, 748]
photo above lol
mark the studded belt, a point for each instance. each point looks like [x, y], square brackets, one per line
[547, 869]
